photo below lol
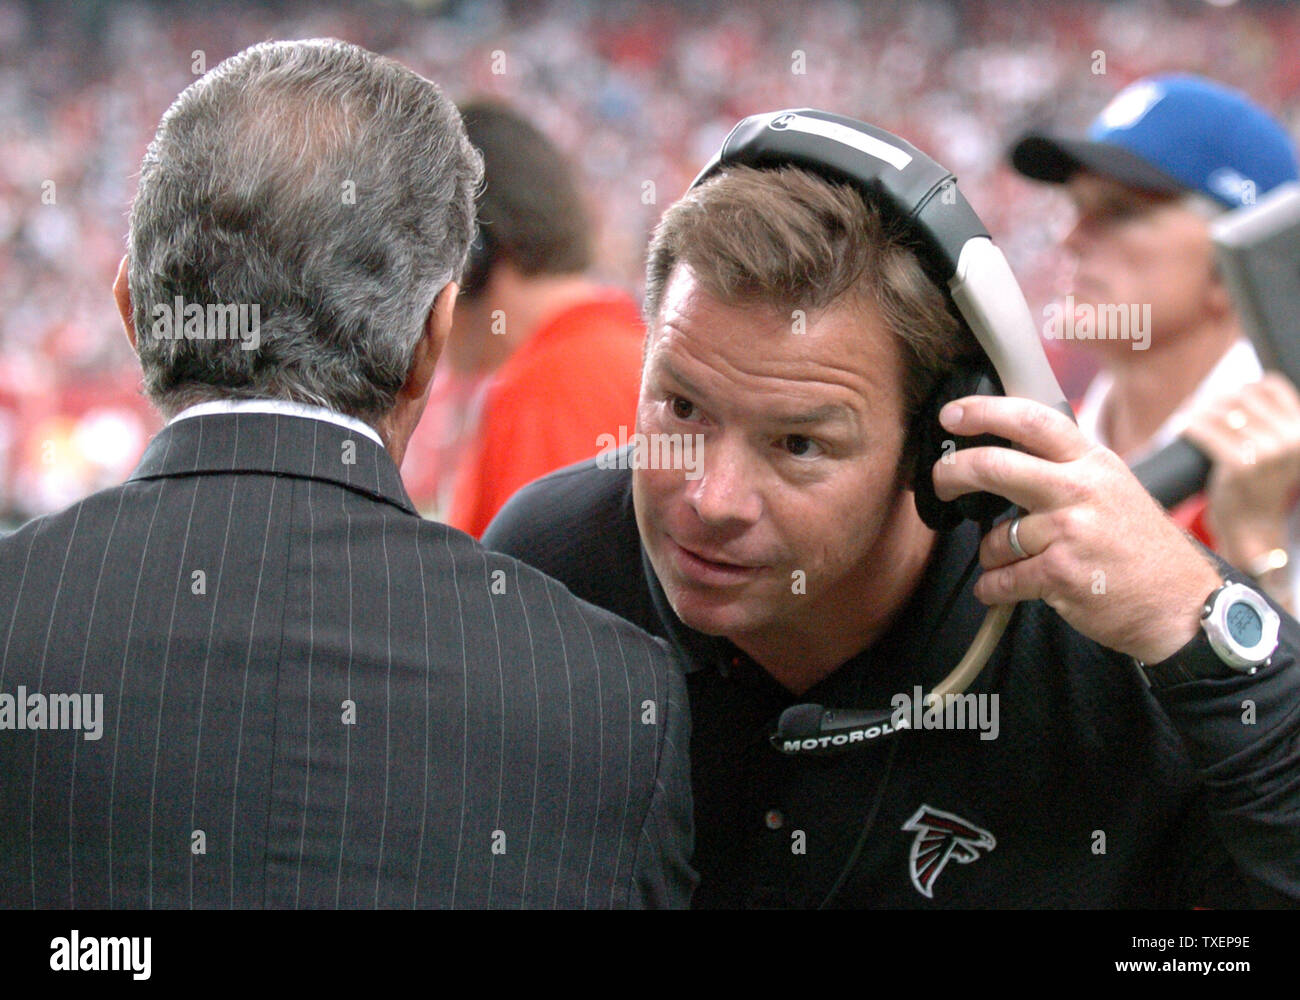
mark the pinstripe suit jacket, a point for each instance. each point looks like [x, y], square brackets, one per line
[312, 697]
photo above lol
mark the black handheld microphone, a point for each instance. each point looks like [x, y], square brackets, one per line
[811, 729]
[1174, 473]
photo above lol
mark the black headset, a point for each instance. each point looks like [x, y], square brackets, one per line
[955, 251]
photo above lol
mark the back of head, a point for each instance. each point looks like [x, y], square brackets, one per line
[531, 211]
[328, 187]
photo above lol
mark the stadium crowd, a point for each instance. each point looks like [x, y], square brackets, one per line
[638, 93]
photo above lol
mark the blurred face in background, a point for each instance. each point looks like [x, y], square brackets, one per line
[802, 436]
[1137, 248]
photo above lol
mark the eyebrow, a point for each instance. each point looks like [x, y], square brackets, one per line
[818, 415]
[682, 380]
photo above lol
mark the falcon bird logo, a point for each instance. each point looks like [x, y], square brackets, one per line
[942, 837]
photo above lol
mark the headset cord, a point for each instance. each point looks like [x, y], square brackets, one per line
[967, 573]
[852, 861]
[866, 827]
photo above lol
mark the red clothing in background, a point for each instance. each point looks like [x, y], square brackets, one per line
[577, 377]
[439, 443]
[1190, 514]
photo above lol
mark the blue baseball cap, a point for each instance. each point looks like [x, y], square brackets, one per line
[1173, 134]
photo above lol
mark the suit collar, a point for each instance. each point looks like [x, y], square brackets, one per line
[278, 406]
[277, 444]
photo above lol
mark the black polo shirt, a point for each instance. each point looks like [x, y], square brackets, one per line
[1096, 792]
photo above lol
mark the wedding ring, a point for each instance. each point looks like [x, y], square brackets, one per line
[1013, 536]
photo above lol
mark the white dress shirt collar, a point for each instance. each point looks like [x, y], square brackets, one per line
[1238, 366]
[282, 408]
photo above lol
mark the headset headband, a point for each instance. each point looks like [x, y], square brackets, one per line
[955, 249]
[896, 174]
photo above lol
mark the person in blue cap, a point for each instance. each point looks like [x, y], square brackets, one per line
[1161, 160]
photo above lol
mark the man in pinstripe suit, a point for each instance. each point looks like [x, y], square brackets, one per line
[252, 676]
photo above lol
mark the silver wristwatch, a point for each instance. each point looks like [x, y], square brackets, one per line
[1239, 635]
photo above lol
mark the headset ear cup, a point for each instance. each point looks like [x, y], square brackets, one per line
[932, 443]
[926, 440]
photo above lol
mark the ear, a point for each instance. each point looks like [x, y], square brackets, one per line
[429, 348]
[122, 295]
[1218, 299]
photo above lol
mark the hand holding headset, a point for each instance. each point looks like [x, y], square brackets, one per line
[956, 253]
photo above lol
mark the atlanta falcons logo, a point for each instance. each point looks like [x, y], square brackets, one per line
[942, 837]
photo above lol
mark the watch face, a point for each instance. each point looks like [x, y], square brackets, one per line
[1244, 624]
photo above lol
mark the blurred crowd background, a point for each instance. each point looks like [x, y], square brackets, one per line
[638, 92]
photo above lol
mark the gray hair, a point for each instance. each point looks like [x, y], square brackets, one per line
[330, 189]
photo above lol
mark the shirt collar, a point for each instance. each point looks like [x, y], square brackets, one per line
[279, 406]
[1238, 366]
[277, 443]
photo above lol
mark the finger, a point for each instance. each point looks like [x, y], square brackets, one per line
[1281, 392]
[1028, 482]
[1021, 581]
[1038, 429]
[1220, 406]
[1261, 414]
[1225, 415]
[996, 550]
[1260, 437]
[1213, 437]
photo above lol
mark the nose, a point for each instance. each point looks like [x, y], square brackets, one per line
[1081, 230]
[726, 495]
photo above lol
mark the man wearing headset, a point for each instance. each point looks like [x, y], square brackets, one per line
[793, 332]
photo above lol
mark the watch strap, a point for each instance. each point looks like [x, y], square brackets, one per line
[1195, 661]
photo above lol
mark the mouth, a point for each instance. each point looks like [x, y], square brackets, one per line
[703, 569]
[1083, 287]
